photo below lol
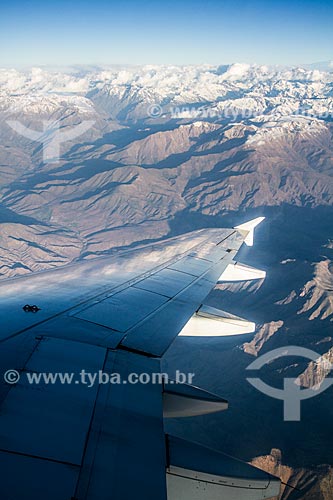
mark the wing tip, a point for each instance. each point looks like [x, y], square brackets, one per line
[251, 224]
[247, 229]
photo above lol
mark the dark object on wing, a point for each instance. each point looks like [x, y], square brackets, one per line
[28, 308]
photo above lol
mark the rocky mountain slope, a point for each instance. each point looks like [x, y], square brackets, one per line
[298, 483]
[247, 137]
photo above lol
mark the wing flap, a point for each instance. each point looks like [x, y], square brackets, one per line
[125, 454]
[24, 477]
[50, 419]
[195, 472]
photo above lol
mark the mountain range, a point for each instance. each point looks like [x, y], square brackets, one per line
[172, 149]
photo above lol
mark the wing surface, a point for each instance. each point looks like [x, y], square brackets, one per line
[76, 438]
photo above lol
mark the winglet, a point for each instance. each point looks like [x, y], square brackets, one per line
[247, 230]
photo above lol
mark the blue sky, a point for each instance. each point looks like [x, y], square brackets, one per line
[170, 32]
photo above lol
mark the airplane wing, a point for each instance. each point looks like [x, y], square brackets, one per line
[82, 396]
